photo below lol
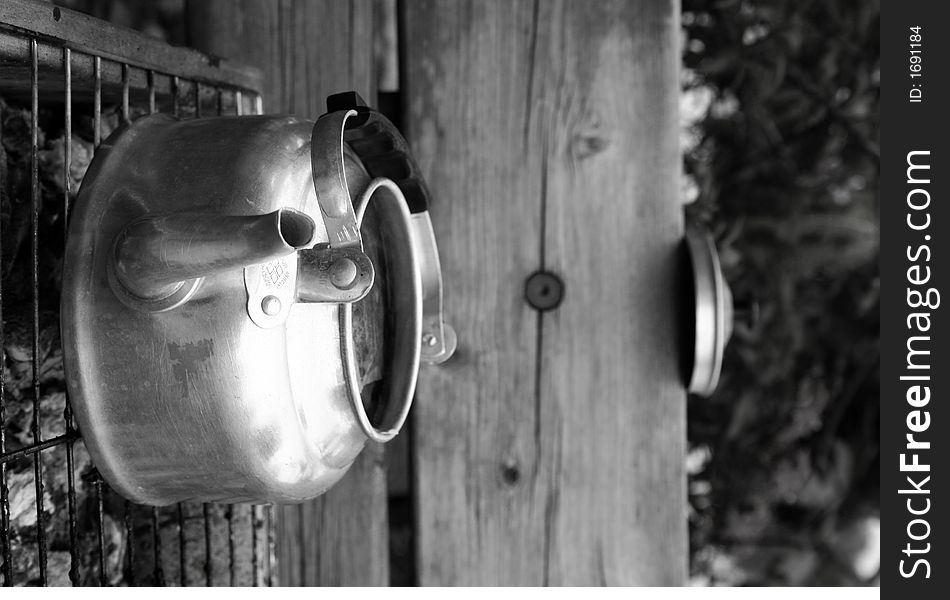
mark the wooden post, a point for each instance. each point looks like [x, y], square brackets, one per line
[550, 450]
[307, 50]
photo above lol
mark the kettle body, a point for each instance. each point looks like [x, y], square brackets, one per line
[217, 347]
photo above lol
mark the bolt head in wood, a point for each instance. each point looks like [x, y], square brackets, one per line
[544, 291]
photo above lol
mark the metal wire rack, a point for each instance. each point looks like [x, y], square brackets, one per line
[85, 76]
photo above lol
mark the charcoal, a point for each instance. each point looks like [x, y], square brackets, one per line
[17, 354]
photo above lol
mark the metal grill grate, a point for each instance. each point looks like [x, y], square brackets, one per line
[68, 68]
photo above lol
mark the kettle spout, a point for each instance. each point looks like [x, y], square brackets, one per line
[155, 256]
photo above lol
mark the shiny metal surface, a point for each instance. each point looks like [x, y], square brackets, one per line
[385, 153]
[156, 256]
[319, 277]
[713, 311]
[326, 155]
[198, 401]
[405, 302]
[439, 340]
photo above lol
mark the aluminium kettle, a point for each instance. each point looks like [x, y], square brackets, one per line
[246, 301]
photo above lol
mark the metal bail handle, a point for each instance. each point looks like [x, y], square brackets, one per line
[337, 272]
[329, 179]
[385, 153]
[439, 340]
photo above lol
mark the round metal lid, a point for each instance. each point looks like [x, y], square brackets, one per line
[712, 305]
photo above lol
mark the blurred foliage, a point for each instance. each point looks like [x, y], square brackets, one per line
[782, 161]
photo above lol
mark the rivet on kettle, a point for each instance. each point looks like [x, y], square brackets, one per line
[343, 273]
[270, 305]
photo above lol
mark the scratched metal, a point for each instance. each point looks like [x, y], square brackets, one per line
[198, 402]
[43, 72]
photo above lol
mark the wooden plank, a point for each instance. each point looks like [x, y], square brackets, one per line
[308, 50]
[613, 395]
[550, 450]
[475, 419]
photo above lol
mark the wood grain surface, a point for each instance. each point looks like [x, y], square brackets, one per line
[550, 450]
[306, 51]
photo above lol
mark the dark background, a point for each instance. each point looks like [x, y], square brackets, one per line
[911, 127]
[783, 159]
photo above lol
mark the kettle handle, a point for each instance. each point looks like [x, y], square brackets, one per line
[385, 153]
